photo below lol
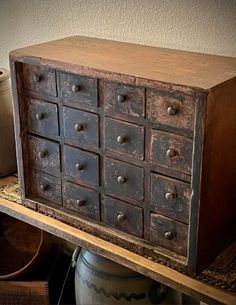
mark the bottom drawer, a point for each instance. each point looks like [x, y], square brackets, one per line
[81, 200]
[123, 216]
[46, 186]
[169, 234]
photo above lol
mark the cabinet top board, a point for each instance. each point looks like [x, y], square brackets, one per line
[138, 62]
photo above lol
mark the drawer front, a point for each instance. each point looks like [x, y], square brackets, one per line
[80, 127]
[171, 151]
[122, 99]
[81, 165]
[171, 110]
[169, 234]
[123, 216]
[44, 154]
[39, 79]
[43, 118]
[46, 186]
[81, 200]
[124, 138]
[78, 90]
[123, 179]
[170, 197]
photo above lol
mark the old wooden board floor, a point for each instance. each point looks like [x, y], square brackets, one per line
[193, 287]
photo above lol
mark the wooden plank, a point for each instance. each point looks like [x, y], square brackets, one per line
[195, 288]
[95, 57]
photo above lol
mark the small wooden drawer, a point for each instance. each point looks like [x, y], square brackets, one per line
[42, 117]
[80, 127]
[44, 154]
[123, 179]
[46, 186]
[170, 197]
[39, 79]
[124, 138]
[81, 200]
[167, 109]
[123, 99]
[171, 151]
[169, 234]
[77, 90]
[82, 166]
[123, 216]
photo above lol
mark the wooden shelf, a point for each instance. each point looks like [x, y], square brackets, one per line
[197, 289]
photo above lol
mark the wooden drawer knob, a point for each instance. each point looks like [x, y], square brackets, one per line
[121, 139]
[122, 179]
[121, 98]
[80, 202]
[40, 116]
[36, 78]
[44, 187]
[169, 235]
[121, 217]
[75, 88]
[43, 153]
[170, 195]
[171, 152]
[79, 127]
[171, 110]
[79, 166]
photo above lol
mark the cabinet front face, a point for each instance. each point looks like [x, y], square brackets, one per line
[113, 153]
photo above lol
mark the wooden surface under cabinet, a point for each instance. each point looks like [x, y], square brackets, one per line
[187, 285]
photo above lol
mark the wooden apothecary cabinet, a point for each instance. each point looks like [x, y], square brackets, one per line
[133, 144]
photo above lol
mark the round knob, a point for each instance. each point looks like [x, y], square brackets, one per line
[44, 187]
[170, 195]
[171, 152]
[42, 154]
[169, 235]
[122, 179]
[121, 217]
[121, 139]
[80, 202]
[40, 116]
[75, 88]
[36, 78]
[79, 166]
[121, 98]
[79, 127]
[171, 110]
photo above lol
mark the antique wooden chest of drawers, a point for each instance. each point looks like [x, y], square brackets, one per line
[133, 144]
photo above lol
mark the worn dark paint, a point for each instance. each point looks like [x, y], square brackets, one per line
[161, 142]
[160, 225]
[89, 161]
[177, 207]
[133, 145]
[88, 135]
[132, 221]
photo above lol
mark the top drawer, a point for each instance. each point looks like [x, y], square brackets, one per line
[77, 90]
[174, 110]
[124, 100]
[39, 79]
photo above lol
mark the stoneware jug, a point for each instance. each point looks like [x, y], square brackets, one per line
[99, 281]
[7, 139]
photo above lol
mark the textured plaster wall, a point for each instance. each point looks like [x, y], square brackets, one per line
[207, 26]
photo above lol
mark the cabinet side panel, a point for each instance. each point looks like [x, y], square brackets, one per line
[217, 226]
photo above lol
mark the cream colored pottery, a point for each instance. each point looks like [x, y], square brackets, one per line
[7, 138]
[99, 281]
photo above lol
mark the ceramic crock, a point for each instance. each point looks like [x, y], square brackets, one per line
[7, 139]
[99, 281]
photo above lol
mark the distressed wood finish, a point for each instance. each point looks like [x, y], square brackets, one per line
[138, 130]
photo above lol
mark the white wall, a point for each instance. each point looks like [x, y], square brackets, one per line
[207, 26]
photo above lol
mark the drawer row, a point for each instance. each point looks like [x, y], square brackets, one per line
[81, 128]
[169, 196]
[173, 109]
[164, 231]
